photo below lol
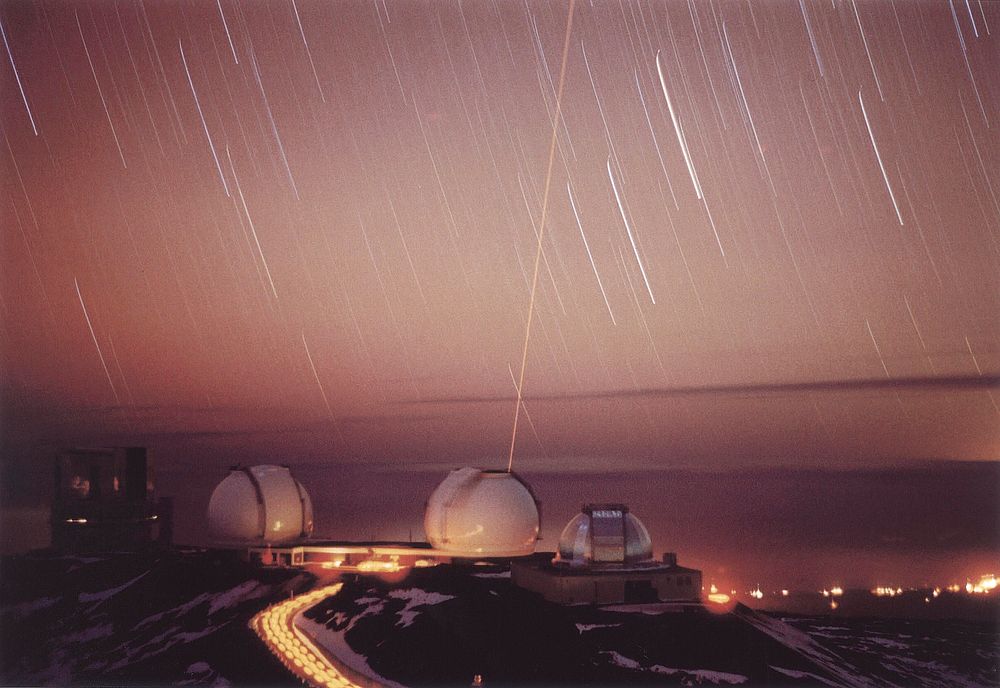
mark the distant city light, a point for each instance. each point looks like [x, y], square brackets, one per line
[882, 591]
[986, 584]
[983, 585]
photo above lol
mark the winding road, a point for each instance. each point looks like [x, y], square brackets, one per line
[296, 650]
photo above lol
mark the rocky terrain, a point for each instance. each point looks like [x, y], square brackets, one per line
[158, 617]
[443, 626]
[180, 617]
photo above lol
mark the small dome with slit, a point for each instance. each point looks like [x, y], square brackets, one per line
[604, 534]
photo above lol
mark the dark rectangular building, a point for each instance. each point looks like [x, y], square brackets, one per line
[638, 583]
[103, 499]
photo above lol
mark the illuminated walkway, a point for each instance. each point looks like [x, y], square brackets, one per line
[377, 556]
[296, 650]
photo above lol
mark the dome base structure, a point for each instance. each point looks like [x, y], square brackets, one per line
[606, 557]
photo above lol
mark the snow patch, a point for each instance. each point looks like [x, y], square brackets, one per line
[175, 611]
[92, 633]
[199, 668]
[793, 673]
[374, 607]
[338, 648]
[702, 675]
[699, 675]
[891, 644]
[201, 673]
[371, 606]
[110, 592]
[582, 628]
[794, 639]
[85, 560]
[240, 593]
[933, 673]
[648, 609]
[26, 608]
[415, 597]
[622, 661]
[157, 645]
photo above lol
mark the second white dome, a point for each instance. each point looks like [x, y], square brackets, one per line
[482, 513]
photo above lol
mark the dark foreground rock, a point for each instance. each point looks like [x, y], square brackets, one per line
[180, 617]
[444, 625]
[153, 618]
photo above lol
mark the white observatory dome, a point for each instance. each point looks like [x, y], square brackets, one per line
[260, 504]
[604, 534]
[480, 513]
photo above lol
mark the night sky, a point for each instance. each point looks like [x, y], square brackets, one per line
[305, 232]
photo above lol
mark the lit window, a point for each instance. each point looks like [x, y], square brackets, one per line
[80, 486]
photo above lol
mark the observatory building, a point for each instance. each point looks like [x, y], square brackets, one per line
[478, 513]
[260, 505]
[606, 557]
[103, 500]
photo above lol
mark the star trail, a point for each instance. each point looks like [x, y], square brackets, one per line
[319, 219]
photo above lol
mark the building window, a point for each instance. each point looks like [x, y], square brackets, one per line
[80, 487]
